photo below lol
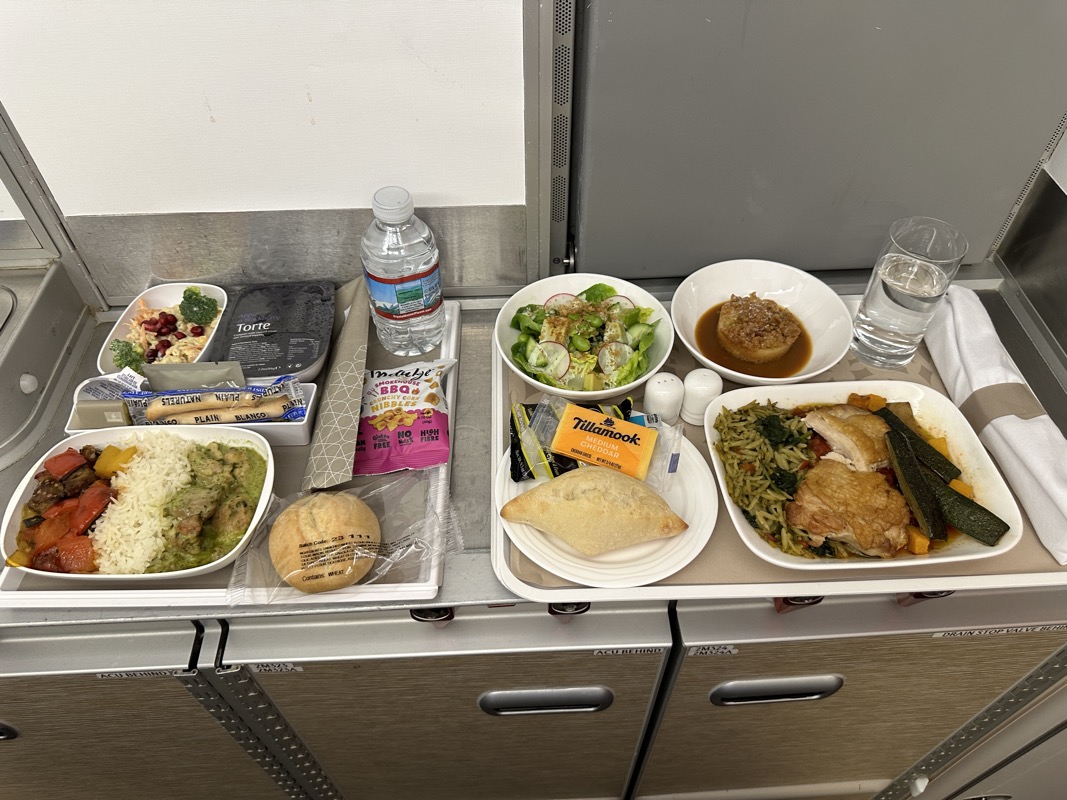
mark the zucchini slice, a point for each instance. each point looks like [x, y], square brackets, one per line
[925, 452]
[914, 486]
[968, 516]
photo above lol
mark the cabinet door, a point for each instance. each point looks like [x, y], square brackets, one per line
[413, 727]
[88, 738]
[901, 695]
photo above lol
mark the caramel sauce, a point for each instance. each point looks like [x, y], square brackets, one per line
[708, 343]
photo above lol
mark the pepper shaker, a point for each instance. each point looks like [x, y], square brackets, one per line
[701, 386]
[663, 396]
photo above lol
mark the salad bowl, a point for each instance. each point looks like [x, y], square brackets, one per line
[584, 337]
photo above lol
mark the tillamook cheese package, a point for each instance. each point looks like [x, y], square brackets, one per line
[596, 438]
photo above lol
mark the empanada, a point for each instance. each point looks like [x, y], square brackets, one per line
[596, 509]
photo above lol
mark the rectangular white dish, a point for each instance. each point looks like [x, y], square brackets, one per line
[163, 296]
[282, 433]
[935, 413]
[109, 436]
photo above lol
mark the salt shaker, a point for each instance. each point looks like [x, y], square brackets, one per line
[701, 386]
[663, 396]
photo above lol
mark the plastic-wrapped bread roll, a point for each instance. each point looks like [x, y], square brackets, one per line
[596, 509]
[324, 541]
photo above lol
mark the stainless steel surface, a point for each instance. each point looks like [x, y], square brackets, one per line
[959, 649]
[483, 248]
[608, 629]
[148, 648]
[40, 347]
[809, 126]
[967, 760]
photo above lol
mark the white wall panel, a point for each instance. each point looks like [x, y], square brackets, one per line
[154, 106]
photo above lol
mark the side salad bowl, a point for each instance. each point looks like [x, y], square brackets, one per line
[163, 296]
[617, 337]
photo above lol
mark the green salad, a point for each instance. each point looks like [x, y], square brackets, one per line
[596, 339]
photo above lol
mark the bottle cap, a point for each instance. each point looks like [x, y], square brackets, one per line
[393, 204]
[663, 396]
[701, 387]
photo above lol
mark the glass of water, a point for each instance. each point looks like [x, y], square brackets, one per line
[908, 283]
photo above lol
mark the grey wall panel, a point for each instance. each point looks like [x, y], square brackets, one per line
[797, 131]
[483, 248]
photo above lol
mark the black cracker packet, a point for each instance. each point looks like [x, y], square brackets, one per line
[530, 459]
[279, 329]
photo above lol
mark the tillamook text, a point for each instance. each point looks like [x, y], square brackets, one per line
[589, 435]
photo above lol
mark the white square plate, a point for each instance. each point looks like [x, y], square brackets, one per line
[935, 413]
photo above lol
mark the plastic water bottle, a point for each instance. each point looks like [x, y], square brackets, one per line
[402, 270]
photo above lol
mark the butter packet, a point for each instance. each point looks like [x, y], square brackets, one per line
[593, 437]
[531, 458]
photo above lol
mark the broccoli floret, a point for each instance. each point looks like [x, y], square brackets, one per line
[127, 354]
[197, 308]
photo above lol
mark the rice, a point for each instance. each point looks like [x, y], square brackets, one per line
[750, 463]
[134, 530]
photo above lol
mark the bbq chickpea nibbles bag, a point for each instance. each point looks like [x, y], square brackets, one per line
[403, 419]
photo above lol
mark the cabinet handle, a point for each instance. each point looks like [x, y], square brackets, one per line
[775, 690]
[570, 700]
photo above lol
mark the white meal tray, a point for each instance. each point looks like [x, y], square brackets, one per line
[22, 589]
[726, 568]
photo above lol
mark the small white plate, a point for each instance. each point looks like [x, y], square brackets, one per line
[163, 296]
[105, 436]
[935, 413]
[692, 496]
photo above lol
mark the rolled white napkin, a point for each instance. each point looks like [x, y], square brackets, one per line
[1026, 443]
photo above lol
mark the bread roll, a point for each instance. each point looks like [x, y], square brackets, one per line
[596, 509]
[315, 543]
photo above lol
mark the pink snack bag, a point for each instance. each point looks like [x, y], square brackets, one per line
[403, 421]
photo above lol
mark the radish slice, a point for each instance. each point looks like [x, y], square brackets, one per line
[557, 359]
[620, 300]
[612, 356]
[557, 303]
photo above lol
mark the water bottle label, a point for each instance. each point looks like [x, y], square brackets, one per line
[405, 297]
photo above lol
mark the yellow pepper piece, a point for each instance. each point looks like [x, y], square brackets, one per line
[940, 444]
[113, 460]
[962, 487]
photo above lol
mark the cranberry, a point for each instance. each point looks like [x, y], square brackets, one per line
[179, 335]
[163, 344]
[197, 330]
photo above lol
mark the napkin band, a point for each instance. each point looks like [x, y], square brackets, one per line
[1000, 400]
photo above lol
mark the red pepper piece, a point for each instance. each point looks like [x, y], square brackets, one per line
[48, 532]
[76, 554]
[62, 464]
[91, 504]
[60, 507]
